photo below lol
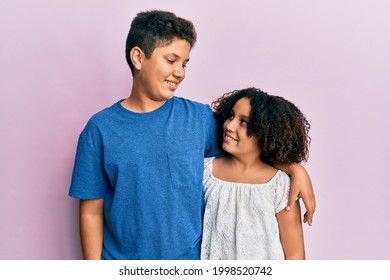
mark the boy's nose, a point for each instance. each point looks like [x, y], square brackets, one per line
[179, 73]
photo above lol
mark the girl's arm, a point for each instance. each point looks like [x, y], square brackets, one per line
[291, 233]
[91, 228]
[300, 187]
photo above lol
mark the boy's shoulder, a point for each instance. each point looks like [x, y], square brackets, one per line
[106, 111]
[191, 103]
[103, 116]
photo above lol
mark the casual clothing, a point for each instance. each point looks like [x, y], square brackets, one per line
[239, 219]
[148, 167]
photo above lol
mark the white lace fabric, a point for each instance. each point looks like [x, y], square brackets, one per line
[240, 219]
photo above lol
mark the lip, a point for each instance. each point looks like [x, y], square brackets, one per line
[229, 138]
[172, 84]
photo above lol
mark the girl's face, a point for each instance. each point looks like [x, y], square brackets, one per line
[235, 131]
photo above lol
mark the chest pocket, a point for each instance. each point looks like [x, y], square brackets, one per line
[185, 169]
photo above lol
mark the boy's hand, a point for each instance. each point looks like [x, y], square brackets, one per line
[301, 187]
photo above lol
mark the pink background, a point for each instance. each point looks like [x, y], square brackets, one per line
[62, 61]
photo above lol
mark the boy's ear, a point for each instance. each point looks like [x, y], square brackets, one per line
[136, 57]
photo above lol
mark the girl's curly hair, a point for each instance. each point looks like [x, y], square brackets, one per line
[280, 127]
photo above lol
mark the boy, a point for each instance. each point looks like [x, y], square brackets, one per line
[139, 163]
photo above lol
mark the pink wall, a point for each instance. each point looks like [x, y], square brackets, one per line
[61, 61]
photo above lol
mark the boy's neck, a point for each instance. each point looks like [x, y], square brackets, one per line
[141, 105]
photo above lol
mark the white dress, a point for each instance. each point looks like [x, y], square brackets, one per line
[240, 219]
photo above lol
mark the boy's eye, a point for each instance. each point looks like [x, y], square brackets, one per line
[170, 61]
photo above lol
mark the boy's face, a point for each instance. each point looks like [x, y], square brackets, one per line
[162, 73]
[235, 131]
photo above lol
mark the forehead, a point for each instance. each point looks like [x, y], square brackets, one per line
[177, 47]
[243, 106]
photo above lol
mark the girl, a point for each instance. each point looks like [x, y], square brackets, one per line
[245, 194]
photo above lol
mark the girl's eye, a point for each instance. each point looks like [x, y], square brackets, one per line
[231, 116]
[170, 61]
[244, 123]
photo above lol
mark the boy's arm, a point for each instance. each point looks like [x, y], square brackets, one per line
[91, 228]
[300, 187]
[291, 233]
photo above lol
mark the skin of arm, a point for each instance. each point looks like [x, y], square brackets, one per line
[291, 233]
[301, 186]
[91, 228]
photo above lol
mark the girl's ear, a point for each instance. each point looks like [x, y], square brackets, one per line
[136, 57]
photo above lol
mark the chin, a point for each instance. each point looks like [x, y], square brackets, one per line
[168, 96]
[225, 147]
[164, 97]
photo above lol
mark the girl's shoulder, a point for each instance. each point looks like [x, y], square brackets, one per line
[213, 162]
[282, 177]
[208, 161]
[280, 182]
[208, 167]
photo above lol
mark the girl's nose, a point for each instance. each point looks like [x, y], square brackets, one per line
[230, 125]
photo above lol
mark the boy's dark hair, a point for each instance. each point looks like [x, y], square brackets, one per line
[280, 127]
[152, 29]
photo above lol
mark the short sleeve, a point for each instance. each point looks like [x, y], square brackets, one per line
[212, 149]
[207, 163]
[89, 180]
[281, 191]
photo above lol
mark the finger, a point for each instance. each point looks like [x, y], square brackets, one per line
[305, 218]
[291, 200]
[309, 218]
[310, 205]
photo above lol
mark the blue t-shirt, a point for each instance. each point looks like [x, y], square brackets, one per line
[148, 167]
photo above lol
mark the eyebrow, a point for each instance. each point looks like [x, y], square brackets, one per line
[178, 56]
[241, 116]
